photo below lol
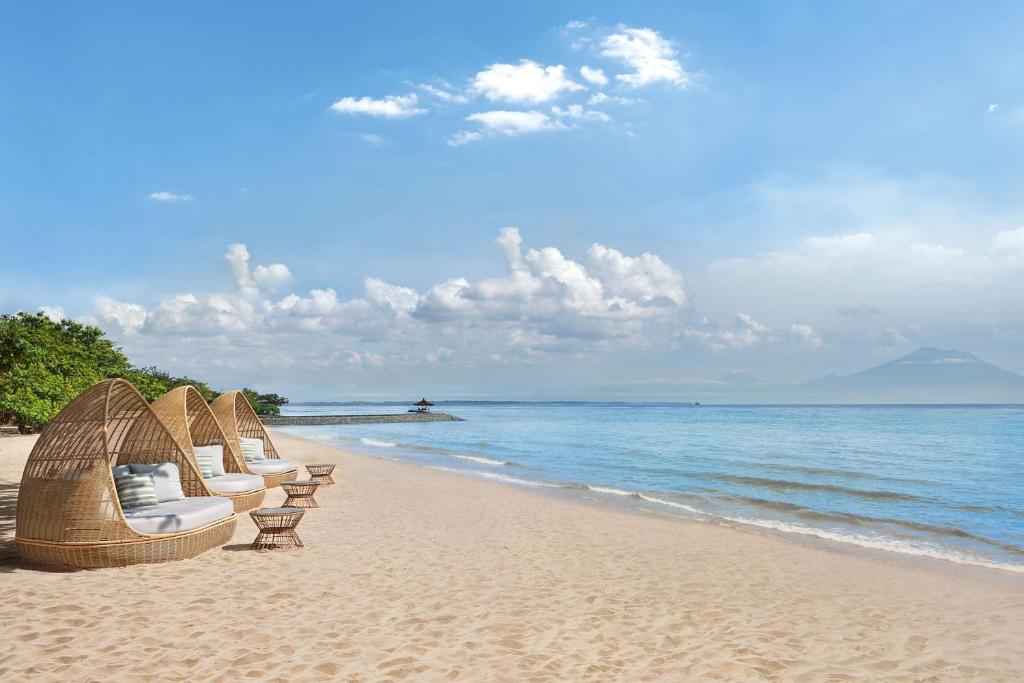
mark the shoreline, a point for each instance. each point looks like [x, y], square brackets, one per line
[942, 557]
[412, 572]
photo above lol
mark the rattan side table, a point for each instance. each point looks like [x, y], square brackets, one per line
[321, 473]
[300, 493]
[277, 528]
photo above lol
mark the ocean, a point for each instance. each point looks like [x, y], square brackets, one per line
[944, 482]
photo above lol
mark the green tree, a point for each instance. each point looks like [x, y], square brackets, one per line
[261, 405]
[44, 364]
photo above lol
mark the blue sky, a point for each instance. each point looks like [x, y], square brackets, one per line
[818, 187]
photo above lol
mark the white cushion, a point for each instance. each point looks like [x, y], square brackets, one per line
[272, 466]
[216, 453]
[166, 480]
[235, 483]
[252, 449]
[179, 515]
[122, 471]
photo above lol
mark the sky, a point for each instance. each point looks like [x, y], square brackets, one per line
[538, 200]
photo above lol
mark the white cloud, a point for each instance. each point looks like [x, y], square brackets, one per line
[126, 317]
[514, 122]
[745, 332]
[270, 278]
[575, 25]
[164, 196]
[577, 111]
[992, 108]
[526, 82]
[464, 137]
[399, 299]
[645, 278]
[54, 313]
[601, 98]
[651, 57]
[391, 107]
[445, 94]
[373, 139]
[593, 75]
[1009, 240]
[200, 315]
[263, 278]
[806, 336]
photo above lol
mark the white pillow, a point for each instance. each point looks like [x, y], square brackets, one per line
[166, 480]
[216, 454]
[122, 471]
[252, 449]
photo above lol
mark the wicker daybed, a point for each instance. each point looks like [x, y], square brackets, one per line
[68, 508]
[239, 421]
[192, 424]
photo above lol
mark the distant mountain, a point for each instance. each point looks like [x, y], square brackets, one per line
[927, 376]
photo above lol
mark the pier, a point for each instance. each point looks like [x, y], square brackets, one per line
[307, 420]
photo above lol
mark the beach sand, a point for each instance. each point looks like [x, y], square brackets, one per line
[414, 573]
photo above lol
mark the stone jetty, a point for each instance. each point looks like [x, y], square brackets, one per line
[282, 420]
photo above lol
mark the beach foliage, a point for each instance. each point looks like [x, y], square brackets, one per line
[264, 404]
[44, 364]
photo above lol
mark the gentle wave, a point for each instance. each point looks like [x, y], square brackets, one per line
[508, 479]
[872, 542]
[375, 442]
[479, 459]
[784, 484]
[862, 520]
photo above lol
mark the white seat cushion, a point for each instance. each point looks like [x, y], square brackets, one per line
[234, 483]
[252, 449]
[215, 454]
[166, 480]
[179, 515]
[272, 466]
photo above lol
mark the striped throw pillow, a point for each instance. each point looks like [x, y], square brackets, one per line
[204, 458]
[252, 449]
[136, 490]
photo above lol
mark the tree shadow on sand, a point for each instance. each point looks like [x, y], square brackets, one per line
[8, 513]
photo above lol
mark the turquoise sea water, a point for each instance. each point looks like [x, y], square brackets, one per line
[942, 482]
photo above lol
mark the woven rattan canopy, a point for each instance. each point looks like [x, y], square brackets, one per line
[68, 510]
[238, 419]
[191, 422]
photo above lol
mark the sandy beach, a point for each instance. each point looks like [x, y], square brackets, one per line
[419, 574]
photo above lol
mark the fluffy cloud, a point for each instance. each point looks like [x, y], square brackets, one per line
[592, 75]
[805, 336]
[164, 196]
[263, 278]
[577, 111]
[526, 82]
[745, 332]
[126, 317]
[54, 313]
[514, 122]
[651, 57]
[390, 107]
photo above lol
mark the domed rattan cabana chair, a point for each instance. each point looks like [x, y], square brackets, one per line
[239, 422]
[192, 424]
[69, 513]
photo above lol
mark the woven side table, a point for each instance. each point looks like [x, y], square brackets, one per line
[300, 493]
[277, 528]
[321, 473]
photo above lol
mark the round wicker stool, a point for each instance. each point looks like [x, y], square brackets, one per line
[321, 473]
[277, 528]
[300, 493]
